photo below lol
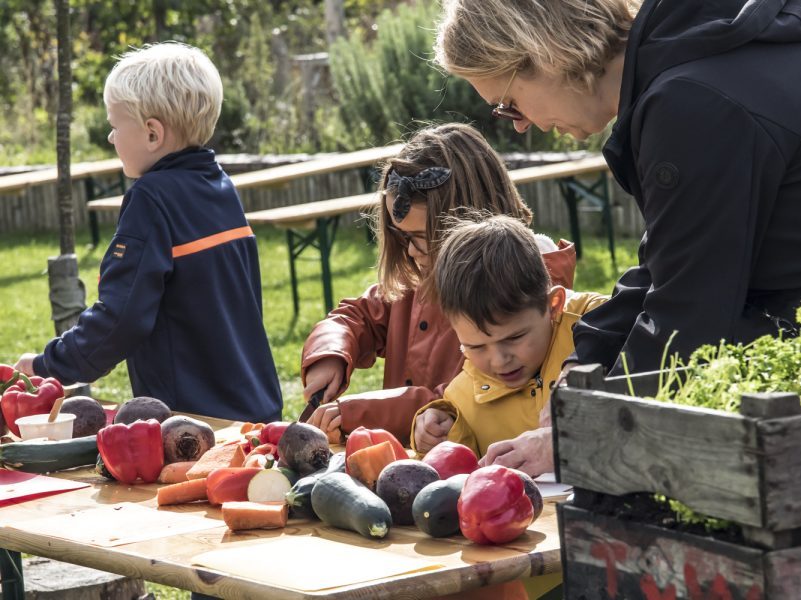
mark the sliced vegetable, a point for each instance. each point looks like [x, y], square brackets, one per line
[229, 484]
[268, 485]
[366, 464]
[218, 457]
[254, 515]
[450, 458]
[341, 501]
[362, 437]
[398, 485]
[38, 456]
[182, 493]
[304, 448]
[434, 509]
[175, 472]
[185, 438]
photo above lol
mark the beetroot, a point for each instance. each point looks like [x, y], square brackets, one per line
[185, 438]
[304, 448]
[398, 486]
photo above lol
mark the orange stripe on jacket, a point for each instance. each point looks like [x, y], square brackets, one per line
[210, 241]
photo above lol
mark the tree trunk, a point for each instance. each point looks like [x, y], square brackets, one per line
[334, 20]
[67, 292]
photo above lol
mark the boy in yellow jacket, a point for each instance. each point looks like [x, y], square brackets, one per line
[515, 330]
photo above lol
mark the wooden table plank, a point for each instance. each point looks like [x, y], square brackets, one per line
[19, 181]
[168, 560]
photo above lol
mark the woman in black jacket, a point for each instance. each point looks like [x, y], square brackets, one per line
[707, 97]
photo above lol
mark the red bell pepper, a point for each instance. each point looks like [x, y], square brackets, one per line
[132, 452]
[8, 376]
[28, 396]
[450, 458]
[493, 506]
[362, 437]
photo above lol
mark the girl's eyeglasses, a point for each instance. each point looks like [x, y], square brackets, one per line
[504, 111]
[405, 238]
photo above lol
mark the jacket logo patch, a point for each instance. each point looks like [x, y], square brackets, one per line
[119, 250]
[667, 175]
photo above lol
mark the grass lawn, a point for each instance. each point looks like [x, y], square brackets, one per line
[25, 309]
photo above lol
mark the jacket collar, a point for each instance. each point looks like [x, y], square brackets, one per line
[188, 158]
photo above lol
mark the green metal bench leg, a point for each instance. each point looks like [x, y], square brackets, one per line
[572, 210]
[293, 276]
[326, 243]
[13, 584]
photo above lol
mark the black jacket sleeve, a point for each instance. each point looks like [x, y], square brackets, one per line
[132, 281]
[708, 173]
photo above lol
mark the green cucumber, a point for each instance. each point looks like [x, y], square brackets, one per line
[434, 508]
[341, 501]
[37, 456]
[299, 497]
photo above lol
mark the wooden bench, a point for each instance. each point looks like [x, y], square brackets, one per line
[86, 171]
[315, 223]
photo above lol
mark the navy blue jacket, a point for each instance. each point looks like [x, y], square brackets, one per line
[708, 141]
[179, 298]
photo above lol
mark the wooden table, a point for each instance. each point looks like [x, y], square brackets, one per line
[168, 560]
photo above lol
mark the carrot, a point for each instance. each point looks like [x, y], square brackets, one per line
[255, 515]
[249, 427]
[218, 457]
[366, 464]
[181, 493]
[175, 472]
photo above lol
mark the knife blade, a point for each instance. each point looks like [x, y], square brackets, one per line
[311, 406]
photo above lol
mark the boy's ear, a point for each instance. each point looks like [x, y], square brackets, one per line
[556, 301]
[155, 134]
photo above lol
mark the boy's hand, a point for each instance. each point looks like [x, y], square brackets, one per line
[530, 452]
[328, 374]
[25, 364]
[430, 428]
[327, 417]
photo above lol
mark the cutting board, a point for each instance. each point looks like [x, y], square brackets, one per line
[116, 524]
[16, 486]
[311, 564]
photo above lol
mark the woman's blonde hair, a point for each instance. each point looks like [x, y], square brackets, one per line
[172, 82]
[478, 180]
[571, 39]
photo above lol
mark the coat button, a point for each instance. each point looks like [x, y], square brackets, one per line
[408, 382]
[423, 325]
[485, 387]
[533, 393]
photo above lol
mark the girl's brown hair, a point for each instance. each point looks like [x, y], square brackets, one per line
[479, 181]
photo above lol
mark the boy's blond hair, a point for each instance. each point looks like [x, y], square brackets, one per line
[489, 270]
[571, 39]
[172, 82]
[478, 181]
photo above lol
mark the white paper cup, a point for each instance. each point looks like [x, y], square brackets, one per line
[36, 426]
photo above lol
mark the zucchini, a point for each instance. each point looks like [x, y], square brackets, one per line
[434, 508]
[341, 501]
[37, 456]
[299, 497]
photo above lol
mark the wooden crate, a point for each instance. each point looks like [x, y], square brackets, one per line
[744, 468]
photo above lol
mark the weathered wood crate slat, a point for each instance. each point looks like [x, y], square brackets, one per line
[741, 467]
[604, 557]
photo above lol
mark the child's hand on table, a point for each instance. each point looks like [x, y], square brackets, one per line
[25, 364]
[328, 418]
[430, 428]
[530, 452]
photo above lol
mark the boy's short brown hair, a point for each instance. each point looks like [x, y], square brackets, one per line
[490, 269]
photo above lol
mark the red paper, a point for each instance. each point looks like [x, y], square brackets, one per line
[16, 487]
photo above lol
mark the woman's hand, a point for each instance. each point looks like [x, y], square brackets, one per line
[530, 452]
[326, 374]
[430, 428]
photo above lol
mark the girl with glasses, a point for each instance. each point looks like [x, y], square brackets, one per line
[441, 170]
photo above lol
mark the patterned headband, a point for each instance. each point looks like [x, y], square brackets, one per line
[403, 188]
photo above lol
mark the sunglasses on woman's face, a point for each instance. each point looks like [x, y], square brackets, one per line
[405, 238]
[507, 111]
